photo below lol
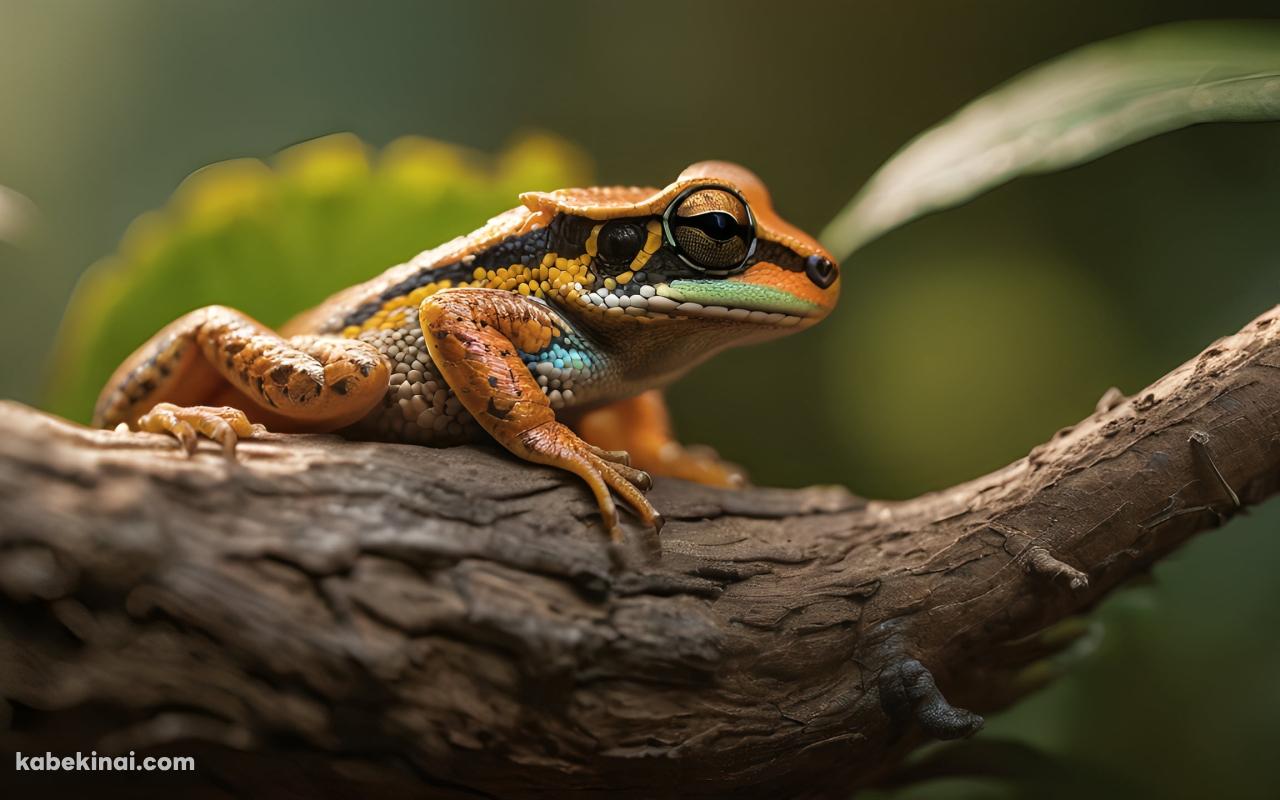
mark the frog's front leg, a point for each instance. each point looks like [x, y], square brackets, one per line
[475, 337]
[641, 426]
[219, 355]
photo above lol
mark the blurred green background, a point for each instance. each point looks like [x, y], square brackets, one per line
[962, 340]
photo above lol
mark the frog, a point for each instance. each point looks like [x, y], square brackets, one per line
[552, 330]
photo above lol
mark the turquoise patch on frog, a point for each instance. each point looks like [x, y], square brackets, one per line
[560, 357]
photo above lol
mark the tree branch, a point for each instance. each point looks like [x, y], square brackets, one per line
[345, 617]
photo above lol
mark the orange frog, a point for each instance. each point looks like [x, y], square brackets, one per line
[553, 329]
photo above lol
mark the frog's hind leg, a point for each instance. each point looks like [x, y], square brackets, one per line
[354, 379]
[641, 426]
[475, 337]
[218, 354]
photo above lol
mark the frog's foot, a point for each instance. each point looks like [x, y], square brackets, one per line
[698, 463]
[603, 470]
[222, 424]
[641, 426]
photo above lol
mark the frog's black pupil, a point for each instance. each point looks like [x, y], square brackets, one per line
[620, 241]
[717, 224]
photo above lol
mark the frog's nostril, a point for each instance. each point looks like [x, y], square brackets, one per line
[820, 270]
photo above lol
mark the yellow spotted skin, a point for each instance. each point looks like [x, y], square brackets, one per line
[559, 277]
[551, 330]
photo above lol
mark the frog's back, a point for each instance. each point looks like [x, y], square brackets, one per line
[515, 239]
[450, 264]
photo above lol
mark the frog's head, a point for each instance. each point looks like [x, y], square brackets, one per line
[709, 247]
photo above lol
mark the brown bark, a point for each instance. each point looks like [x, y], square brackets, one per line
[336, 618]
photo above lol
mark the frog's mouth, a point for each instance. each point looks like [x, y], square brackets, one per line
[738, 301]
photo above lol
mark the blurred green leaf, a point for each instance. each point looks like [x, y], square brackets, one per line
[1073, 109]
[273, 240]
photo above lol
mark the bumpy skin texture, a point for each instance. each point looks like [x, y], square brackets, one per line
[569, 313]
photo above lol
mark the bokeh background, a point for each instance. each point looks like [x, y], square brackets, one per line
[962, 340]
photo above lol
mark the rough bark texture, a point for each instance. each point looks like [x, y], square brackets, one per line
[333, 618]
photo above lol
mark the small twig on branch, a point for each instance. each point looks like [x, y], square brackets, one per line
[1042, 561]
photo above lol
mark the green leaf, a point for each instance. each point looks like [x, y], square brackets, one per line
[1073, 109]
[275, 239]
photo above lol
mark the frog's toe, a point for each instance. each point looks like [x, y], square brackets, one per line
[628, 483]
[636, 477]
[614, 456]
[222, 424]
[620, 462]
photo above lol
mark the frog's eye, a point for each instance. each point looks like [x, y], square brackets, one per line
[711, 228]
[619, 241]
